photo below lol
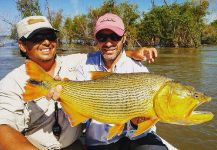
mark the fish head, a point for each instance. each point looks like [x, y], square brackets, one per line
[175, 103]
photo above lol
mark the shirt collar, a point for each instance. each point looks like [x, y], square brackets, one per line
[58, 65]
[117, 65]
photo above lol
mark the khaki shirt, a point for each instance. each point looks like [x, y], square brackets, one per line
[37, 117]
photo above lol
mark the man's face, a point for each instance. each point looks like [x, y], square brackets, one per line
[110, 44]
[41, 47]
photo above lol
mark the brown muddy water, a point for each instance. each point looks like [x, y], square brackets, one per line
[196, 67]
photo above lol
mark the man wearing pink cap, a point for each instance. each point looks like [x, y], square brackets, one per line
[111, 57]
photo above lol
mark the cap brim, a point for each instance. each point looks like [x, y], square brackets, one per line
[118, 31]
[29, 35]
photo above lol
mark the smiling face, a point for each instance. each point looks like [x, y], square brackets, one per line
[40, 47]
[110, 44]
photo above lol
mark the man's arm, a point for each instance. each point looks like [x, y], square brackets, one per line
[10, 139]
[11, 108]
[143, 54]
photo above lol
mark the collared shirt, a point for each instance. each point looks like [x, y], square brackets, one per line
[36, 117]
[96, 132]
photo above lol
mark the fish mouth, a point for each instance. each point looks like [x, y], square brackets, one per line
[197, 117]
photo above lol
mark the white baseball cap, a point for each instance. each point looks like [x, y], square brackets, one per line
[31, 25]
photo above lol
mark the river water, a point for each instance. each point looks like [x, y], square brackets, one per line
[196, 67]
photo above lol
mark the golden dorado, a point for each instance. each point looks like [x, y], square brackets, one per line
[117, 98]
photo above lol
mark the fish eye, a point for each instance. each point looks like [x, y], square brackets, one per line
[196, 95]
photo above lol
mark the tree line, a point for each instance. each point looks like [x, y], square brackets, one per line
[169, 25]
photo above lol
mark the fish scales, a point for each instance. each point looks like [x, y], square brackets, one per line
[125, 95]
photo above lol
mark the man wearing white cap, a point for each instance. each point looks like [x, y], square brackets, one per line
[39, 124]
[111, 57]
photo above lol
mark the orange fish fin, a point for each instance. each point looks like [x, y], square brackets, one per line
[34, 86]
[35, 72]
[66, 79]
[115, 130]
[98, 74]
[143, 126]
[33, 92]
[75, 118]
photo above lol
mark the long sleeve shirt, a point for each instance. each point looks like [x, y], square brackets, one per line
[36, 117]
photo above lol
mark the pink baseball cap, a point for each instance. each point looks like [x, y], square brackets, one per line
[110, 21]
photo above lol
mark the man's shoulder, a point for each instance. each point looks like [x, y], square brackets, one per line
[134, 65]
[94, 54]
[73, 57]
[16, 73]
[15, 80]
[92, 58]
[72, 60]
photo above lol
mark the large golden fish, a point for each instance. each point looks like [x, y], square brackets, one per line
[117, 98]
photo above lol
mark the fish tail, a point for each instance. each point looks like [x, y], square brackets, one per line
[38, 84]
[35, 72]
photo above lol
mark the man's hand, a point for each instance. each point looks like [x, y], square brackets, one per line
[137, 120]
[143, 54]
[54, 92]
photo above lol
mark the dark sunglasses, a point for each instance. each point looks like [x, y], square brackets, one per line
[41, 37]
[104, 37]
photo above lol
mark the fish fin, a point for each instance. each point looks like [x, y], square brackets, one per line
[115, 130]
[35, 72]
[74, 117]
[98, 74]
[33, 92]
[144, 126]
[66, 79]
[34, 86]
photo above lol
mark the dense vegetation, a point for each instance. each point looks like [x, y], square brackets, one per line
[170, 25]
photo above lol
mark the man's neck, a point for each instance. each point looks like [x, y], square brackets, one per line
[109, 64]
[48, 66]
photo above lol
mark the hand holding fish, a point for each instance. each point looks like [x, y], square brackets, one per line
[137, 120]
[54, 92]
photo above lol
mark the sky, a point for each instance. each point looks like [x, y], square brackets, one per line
[71, 8]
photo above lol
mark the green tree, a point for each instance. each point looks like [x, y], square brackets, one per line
[81, 29]
[209, 34]
[68, 30]
[178, 25]
[56, 19]
[130, 15]
[214, 23]
[13, 34]
[28, 7]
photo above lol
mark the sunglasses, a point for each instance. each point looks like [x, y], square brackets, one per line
[104, 37]
[41, 37]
